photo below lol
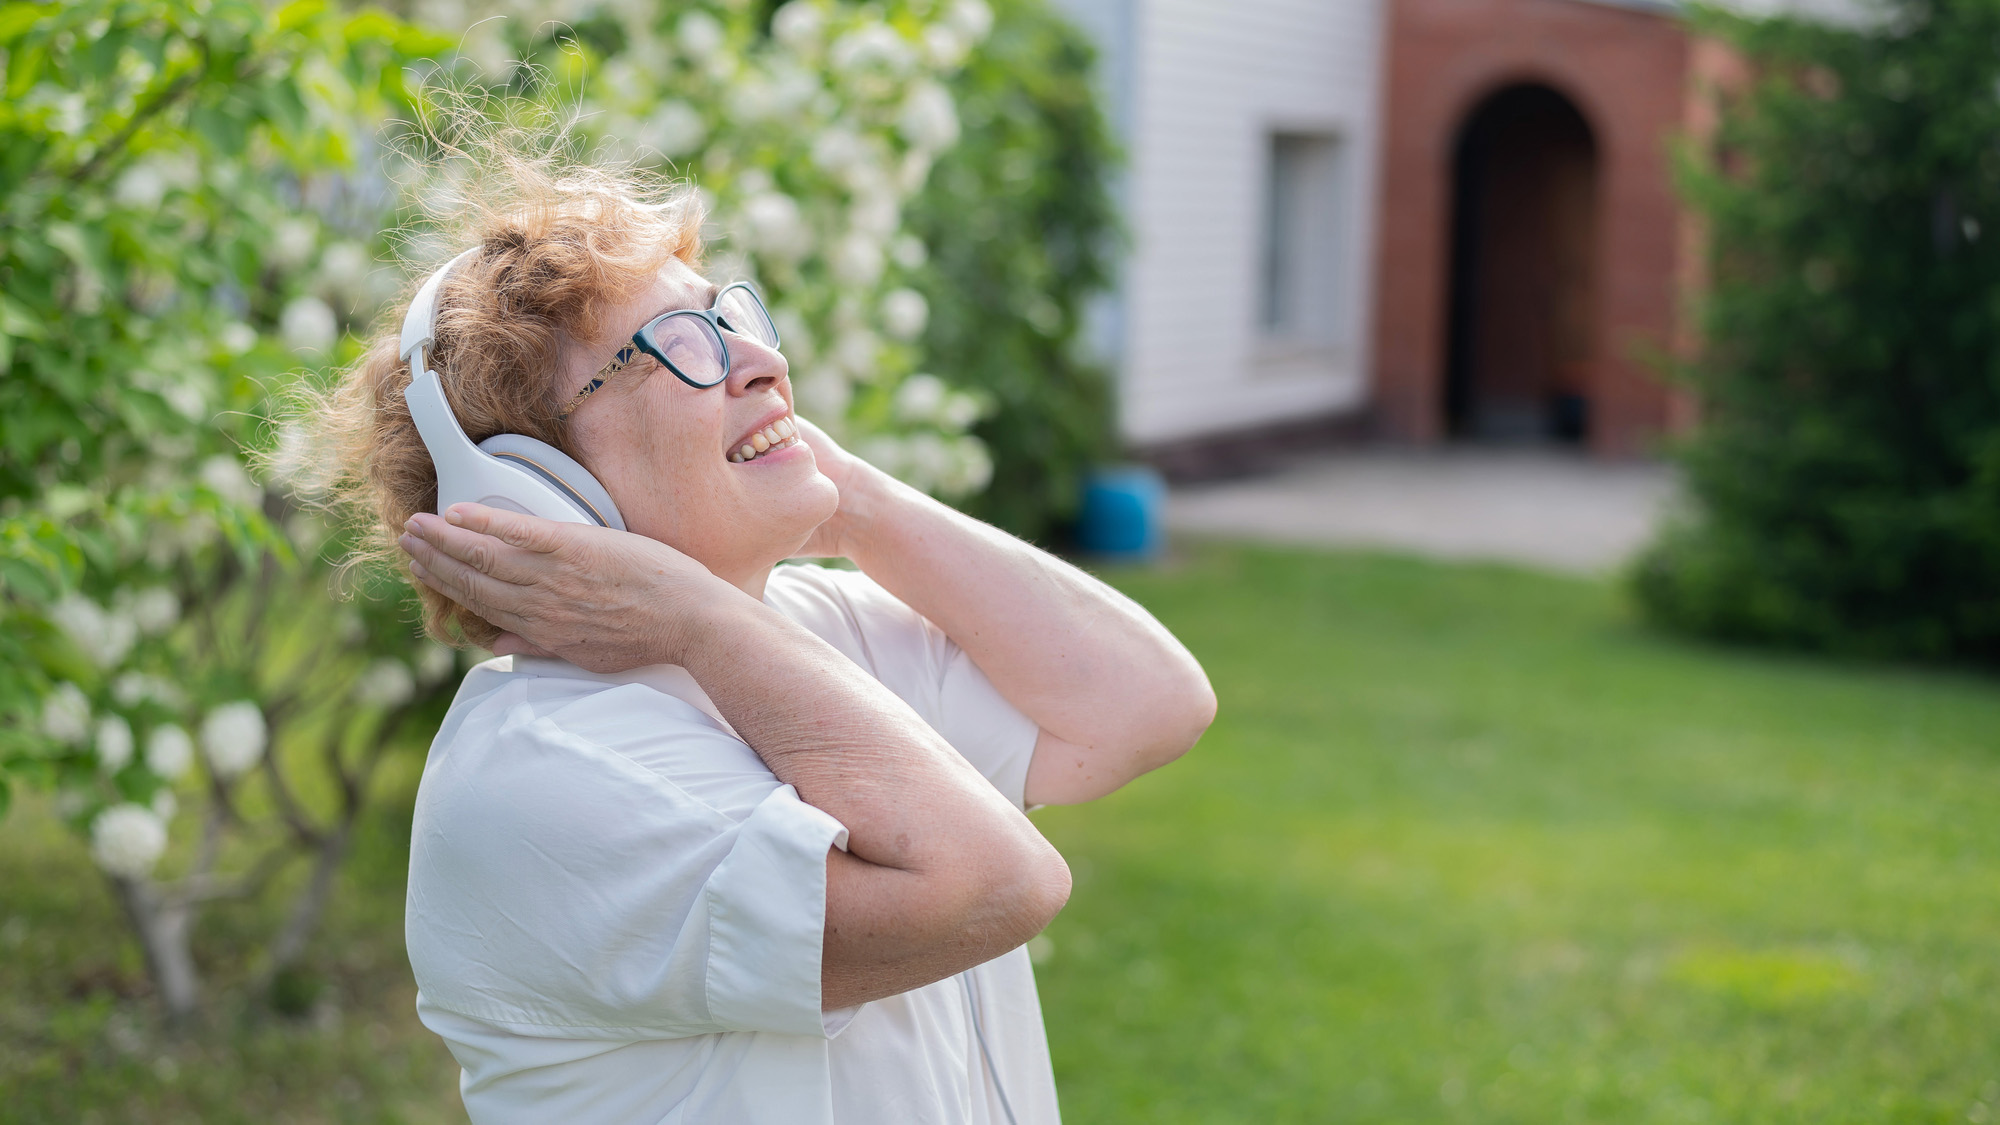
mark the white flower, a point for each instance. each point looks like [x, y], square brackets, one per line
[103, 636]
[66, 714]
[434, 663]
[858, 259]
[837, 149]
[165, 805]
[155, 609]
[908, 251]
[169, 751]
[233, 736]
[386, 683]
[970, 18]
[970, 470]
[928, 119]
[308, 325]
[188, 398]
[292, 242]
[777, 230]
[855, 353]
[237, 337]
[824, 393]
[876, 215]
[800, 343]
[343, 270]
[919, 398]
[224, 476]
[134, 688]
[699, 34]
[142, 187]
[928, 460]
[754, 100]
[793, 87]
[127, 840]
[798, 25]
[114, 743]
[959, 411]
[676, 129]
[904, 313]
[944, 45]
[871, 45]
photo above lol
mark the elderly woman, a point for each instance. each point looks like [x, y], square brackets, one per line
[715, 839]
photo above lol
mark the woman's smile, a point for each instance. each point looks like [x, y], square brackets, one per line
[770, 437]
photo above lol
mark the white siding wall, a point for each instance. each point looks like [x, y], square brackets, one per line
[1207, 82]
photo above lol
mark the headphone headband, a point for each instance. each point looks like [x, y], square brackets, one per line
[420, 323]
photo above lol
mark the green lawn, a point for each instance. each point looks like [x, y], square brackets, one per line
[1464, 845]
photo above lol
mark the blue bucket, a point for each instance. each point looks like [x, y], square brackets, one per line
[1124, 514]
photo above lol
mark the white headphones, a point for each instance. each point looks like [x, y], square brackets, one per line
[510, 471]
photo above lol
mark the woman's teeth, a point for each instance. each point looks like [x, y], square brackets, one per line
[777, 435]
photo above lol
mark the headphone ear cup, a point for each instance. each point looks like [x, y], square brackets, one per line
[561, 471]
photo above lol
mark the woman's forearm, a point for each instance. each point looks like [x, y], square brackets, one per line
[942, 872]
[1113, 691]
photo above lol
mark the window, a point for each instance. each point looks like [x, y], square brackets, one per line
[1302, 300]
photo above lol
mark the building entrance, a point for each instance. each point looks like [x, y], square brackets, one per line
[1522, 347]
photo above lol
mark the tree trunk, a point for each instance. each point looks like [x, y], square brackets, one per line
[290, 943]
[163, 925]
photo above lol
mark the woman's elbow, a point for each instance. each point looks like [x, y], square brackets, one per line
[1181, 716]
[1022, 900]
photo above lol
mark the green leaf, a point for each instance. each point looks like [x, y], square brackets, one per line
[16, 320]
[17, 18]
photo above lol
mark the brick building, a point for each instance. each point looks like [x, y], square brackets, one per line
[1420, 219]
[1530, 244]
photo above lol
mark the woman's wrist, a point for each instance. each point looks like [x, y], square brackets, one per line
[869, 502]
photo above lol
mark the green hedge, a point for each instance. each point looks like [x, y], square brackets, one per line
[1021, 228]
[1846, 476]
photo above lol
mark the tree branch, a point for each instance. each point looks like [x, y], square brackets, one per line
[165, 97]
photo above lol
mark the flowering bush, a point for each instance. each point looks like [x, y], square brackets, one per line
[808, 140]
[158, 249]
[194, 208]
[1021, 229]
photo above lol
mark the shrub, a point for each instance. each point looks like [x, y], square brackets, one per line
[1846, 476]
[1021, 227]
[168, 663]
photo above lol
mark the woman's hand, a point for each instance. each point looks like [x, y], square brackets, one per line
[852, 476]
[600, 599]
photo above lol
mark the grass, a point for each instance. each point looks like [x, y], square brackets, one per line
[1464, 845]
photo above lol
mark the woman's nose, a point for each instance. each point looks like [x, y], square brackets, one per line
[753, 366]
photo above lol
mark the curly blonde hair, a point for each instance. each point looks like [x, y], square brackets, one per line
[560, 243]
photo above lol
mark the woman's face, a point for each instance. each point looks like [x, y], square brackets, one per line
[671, 454]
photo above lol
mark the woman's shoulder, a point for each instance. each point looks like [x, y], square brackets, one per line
[556, 734]
[846, 608]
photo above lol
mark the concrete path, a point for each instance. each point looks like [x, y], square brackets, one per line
[1539, 507]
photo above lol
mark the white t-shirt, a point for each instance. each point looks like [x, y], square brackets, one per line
[616, 911]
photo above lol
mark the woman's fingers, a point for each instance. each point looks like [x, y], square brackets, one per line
[496, 601]
[530, 533]
[485, 553]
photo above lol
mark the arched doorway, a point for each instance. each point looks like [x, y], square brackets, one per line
[1524, 237]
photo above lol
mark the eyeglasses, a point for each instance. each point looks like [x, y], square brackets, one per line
[689, 341]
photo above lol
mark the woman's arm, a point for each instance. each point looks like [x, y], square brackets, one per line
[942, 873]
[1114, 693]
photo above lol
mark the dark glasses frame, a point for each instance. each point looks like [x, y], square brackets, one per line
[645, 342]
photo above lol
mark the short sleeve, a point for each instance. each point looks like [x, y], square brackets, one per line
[912, 657]
[559, 888]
